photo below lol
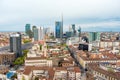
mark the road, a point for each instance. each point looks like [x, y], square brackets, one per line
[73, 55]
[24, 46]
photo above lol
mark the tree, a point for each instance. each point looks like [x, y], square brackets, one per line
[25, 53]
[20, 60]
[36, 78]
[26, 41]
[14, 76]
[23, 78]
[110, 70]
[40, 47]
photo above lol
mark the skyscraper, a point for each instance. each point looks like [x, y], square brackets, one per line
[15, 44]
[79, 30]
[74, 31]
[41, 33]
[38, 33]
[27, 29]
[35, 32]
[94, 36]
[58, 29]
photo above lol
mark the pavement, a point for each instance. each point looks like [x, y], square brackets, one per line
[24, 46]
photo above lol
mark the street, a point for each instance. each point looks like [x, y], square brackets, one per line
[73, 55]
[24, 46]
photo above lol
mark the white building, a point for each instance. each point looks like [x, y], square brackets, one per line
[38, 33]
[72, 40]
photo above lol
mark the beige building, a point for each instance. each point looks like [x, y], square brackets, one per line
[3, 69]
[84, 61]
[6, 58]
[101, 74]
[38, 61]
[50, 73]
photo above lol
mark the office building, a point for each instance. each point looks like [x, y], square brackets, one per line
[79, 34]
[35, 32]
[38, 33]
[94, 36]
[68, 34]
[33, 27]
[15, 44]
[59, 29]
[85, 46]
[27, 29]
[74, 31]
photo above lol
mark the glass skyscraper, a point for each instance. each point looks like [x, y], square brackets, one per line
[27, 28]
[35, 31]
[15, 44]
[58, 29]
[94, 36]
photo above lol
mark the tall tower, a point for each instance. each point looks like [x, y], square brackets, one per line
[73, 30]
[27, 29]
[38, 33]
[41, 33]
[79, 30]
[15, 44]
[58, 29]
[35, 34]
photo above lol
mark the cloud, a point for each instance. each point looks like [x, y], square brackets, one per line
[46, 12]
[102, 24]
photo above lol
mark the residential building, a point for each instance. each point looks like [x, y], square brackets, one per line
[3, 69]
[6, 58]
[38, 61]
[101, 74]
[72, 40]
[92, 57]
[51, 73]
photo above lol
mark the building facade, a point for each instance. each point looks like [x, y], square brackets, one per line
[38, 33]
[38, 61]
[35, 32]
[6, 58]
[15, 44]
[94, 36]
[58, 29]
[27, 28]
[74, 31]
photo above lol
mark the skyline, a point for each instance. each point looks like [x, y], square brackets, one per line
[88, 13]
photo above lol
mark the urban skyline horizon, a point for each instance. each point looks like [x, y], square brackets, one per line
[89, 28]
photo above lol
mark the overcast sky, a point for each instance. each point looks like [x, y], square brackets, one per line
[14, 14]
